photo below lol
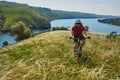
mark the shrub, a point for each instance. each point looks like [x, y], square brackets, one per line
[22, 31]
[112, 36]
[5, 43]
[59, 28]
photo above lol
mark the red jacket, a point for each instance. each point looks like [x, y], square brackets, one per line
[78, 30]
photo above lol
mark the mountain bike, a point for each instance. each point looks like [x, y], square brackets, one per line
[78, 50]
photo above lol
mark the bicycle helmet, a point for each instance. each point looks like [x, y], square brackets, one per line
[77, 21]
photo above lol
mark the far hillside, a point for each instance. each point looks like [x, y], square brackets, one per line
[113, 21]
[59, 14]
[10, 13]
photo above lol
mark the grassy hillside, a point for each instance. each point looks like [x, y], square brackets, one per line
[49, 56]
[13, 12]
[113, 21]
[11, 4]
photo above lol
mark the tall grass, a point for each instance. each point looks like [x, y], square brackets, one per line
[49, 56]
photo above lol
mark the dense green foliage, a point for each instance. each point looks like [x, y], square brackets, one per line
[2, 19]
[22, 31]
[113, 21]
[5, 43]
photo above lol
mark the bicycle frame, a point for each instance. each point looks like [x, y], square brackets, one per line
[78, 50]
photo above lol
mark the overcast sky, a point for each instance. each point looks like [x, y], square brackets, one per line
[106, 7]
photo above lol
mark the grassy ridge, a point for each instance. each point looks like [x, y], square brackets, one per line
[49, 56]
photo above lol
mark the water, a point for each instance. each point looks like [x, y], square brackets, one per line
[6, 37]
[11, 39]
[93, 24]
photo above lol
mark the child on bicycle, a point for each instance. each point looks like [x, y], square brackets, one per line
[77, 32]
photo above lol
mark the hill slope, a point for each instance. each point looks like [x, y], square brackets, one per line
[14, 12]
[49, 56]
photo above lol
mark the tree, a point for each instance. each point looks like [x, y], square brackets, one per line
[112, 36]
[5, 43]
[2, 19]
[22, 31]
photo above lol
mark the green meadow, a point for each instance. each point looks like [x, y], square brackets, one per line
[49, 56]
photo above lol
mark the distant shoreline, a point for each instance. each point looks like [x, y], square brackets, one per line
[112, 21]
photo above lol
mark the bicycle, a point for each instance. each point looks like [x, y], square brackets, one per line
[78, 50]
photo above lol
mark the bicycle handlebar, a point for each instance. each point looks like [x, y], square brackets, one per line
[85, 38]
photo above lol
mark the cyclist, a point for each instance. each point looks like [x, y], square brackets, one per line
[77, 32]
